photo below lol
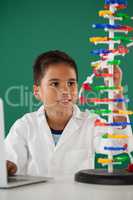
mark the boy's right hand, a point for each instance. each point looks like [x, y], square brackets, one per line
[11, 168]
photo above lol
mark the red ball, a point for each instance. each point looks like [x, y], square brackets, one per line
[130, 168]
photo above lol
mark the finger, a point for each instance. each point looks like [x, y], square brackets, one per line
[11, 167]
[120, 119]
[105, 71]
[12, 171]
[117, 70]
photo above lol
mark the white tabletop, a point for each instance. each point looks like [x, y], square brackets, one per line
[67, 189]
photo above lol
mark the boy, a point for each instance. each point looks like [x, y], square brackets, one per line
[58, 138]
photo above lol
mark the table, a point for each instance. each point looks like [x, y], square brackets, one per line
[65, 188]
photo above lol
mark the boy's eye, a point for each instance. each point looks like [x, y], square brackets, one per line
[71, 83]
[54, 84]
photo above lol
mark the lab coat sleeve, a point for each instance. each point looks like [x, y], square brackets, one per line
[129, 132]
[100, 143]
[16, 145]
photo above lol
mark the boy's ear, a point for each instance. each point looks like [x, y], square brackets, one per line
[36, 91]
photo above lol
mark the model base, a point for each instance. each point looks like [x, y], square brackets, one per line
[101, 176]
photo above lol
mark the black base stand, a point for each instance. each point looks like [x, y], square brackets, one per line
[118, 177]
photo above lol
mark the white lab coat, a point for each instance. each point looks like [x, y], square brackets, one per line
[30, 144]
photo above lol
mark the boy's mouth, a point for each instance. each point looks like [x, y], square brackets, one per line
[65, 101]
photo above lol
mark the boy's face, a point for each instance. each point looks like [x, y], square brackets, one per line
[58, 88]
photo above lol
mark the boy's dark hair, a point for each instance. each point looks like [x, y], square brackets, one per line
[49, 58]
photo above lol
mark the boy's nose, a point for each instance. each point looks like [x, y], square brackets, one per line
[65, 89]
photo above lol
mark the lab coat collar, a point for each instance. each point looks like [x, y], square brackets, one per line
[70, 129]
[76, 112]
